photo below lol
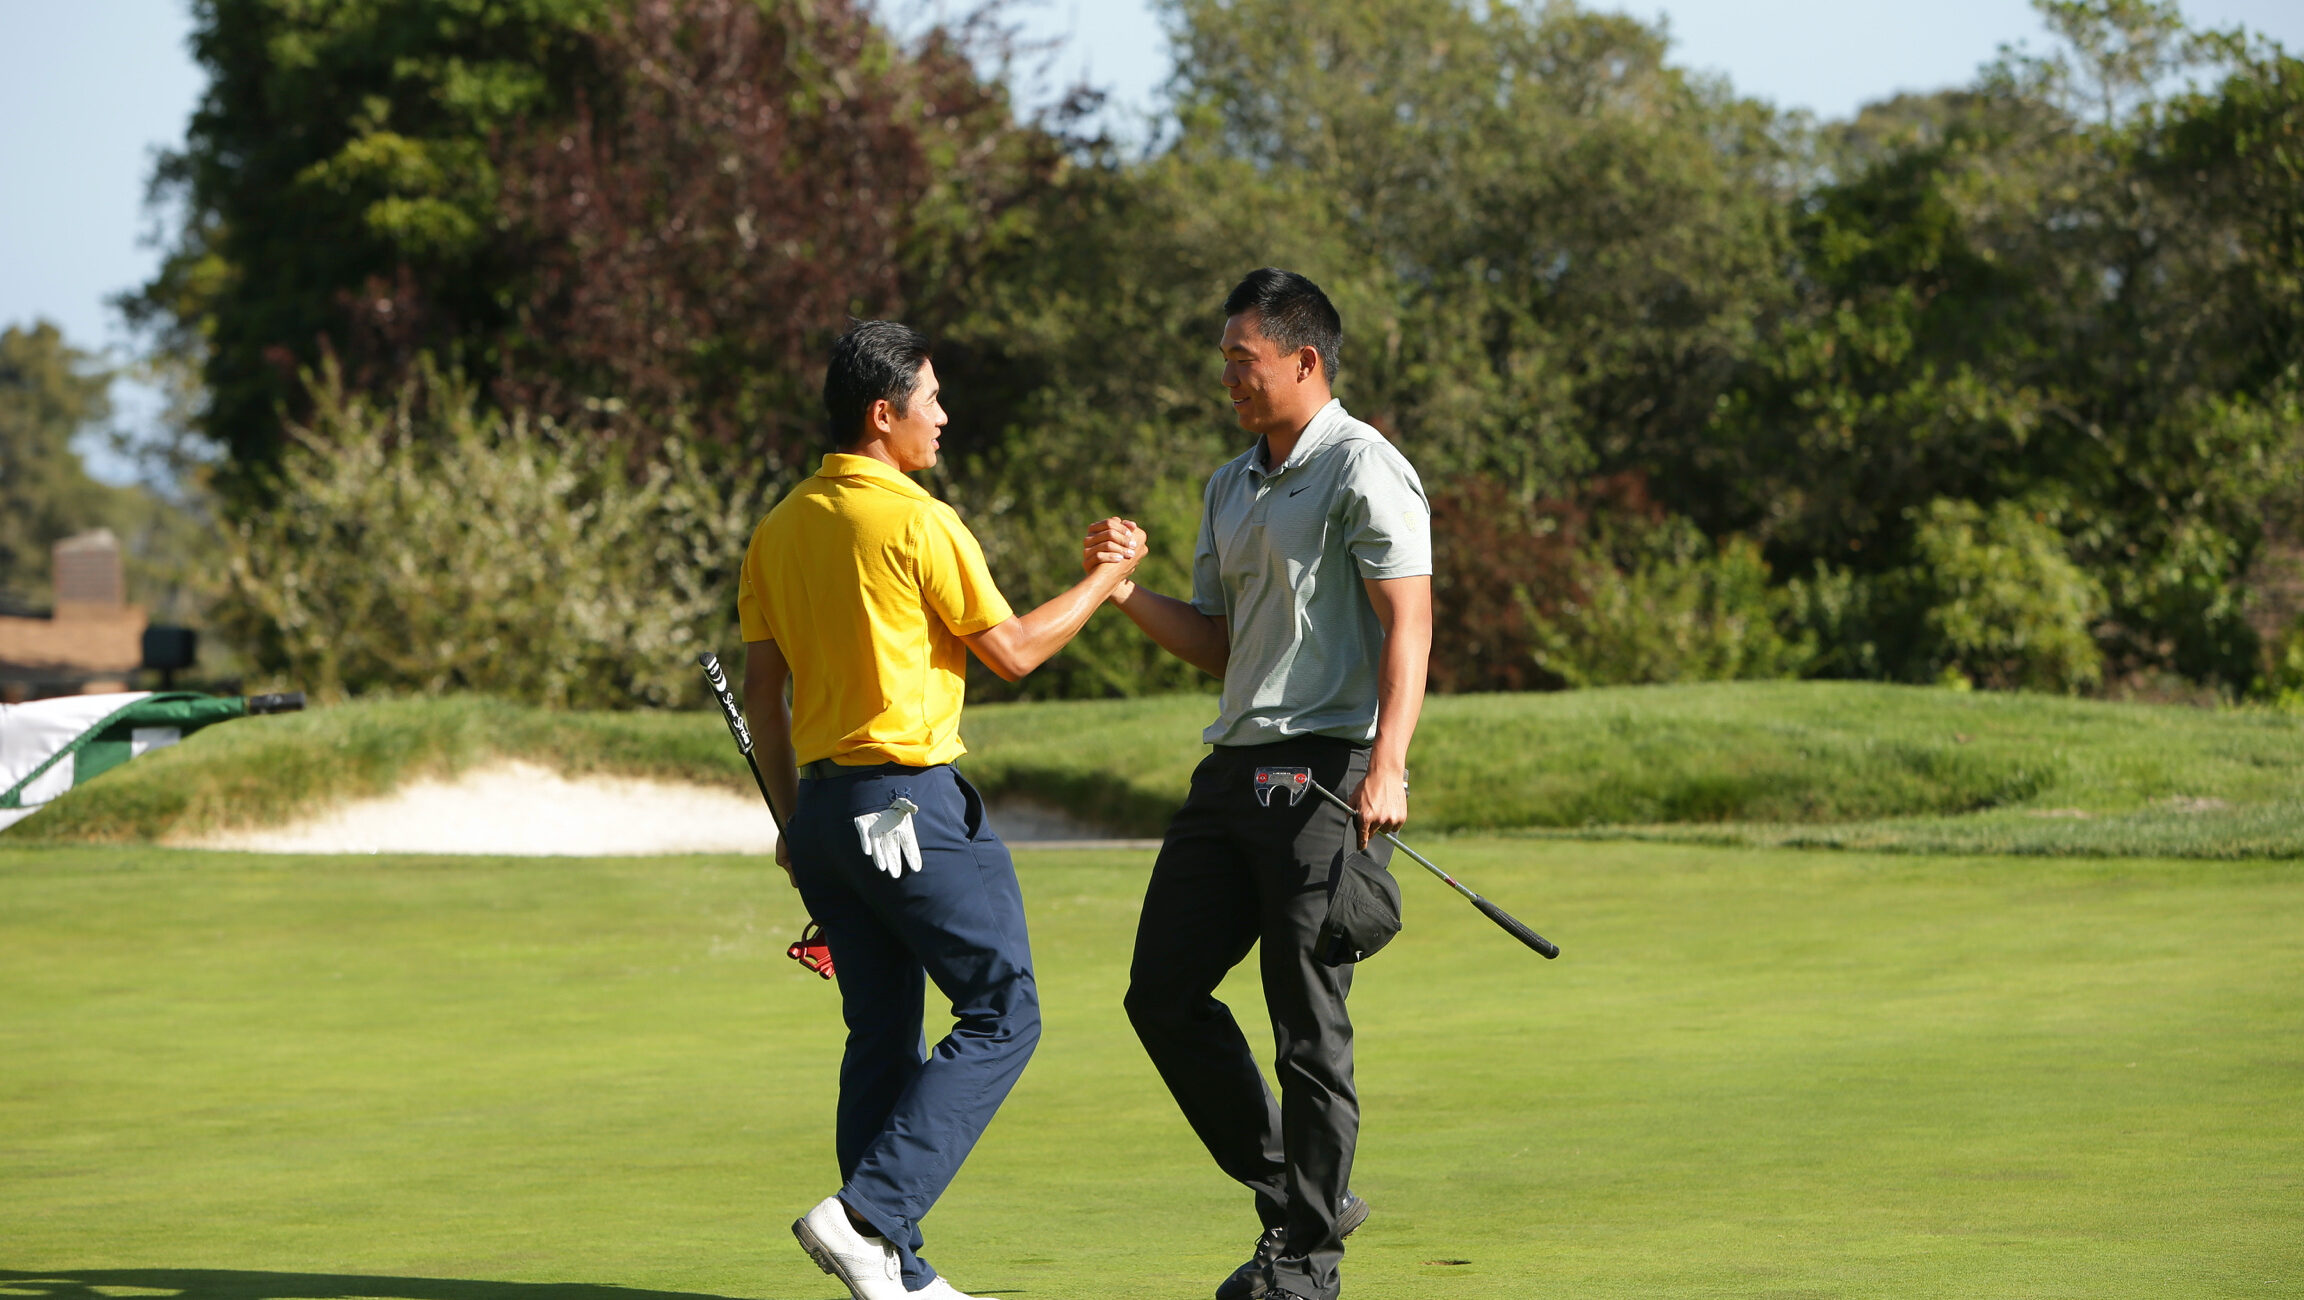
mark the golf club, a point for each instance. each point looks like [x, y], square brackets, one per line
[811, 950]
[742, 734]
[1511, 924]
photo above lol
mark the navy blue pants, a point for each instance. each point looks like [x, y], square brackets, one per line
[905, 1124]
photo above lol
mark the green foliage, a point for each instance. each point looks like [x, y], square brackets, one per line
[1561, 259]
[1688, 611]
[2006, 606]
[2235, 158]
[430, 545]
[2015, 292]
[2284, 676]
[338, 160]
[1552, 245]
[1836, 611]
[617, 213]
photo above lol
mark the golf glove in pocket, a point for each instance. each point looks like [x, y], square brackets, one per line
[889, 839]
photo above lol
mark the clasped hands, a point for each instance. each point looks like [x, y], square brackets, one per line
[1115, 541]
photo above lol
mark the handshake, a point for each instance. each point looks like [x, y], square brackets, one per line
[1117, 542]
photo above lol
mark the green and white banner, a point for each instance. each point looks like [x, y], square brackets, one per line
[49, 746]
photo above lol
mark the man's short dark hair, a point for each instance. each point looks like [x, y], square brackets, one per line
[1293, 313]
[876, 360]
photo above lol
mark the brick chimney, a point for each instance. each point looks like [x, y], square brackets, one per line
[95, 639]
[88, 575]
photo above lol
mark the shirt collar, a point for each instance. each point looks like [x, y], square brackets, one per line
[1317, 431]
[840, 464]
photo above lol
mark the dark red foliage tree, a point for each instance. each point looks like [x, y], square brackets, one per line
[737, 182]
[1498, 558]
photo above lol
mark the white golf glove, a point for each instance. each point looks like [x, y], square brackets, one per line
[888, 837]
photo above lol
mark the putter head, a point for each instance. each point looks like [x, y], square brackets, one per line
[1291, 781]
[813, 950]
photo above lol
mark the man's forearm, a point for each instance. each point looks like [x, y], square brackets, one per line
[1176, 627]
[1023, 643]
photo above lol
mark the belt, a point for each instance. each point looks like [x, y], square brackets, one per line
[824, 769]
[1309, 740]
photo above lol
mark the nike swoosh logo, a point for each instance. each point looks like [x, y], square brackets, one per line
[1306, 488]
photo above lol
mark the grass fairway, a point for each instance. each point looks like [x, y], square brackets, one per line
[1754, 1073]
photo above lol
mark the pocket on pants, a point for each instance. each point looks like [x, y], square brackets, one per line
[972, 819]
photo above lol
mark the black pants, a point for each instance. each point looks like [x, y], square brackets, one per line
[1234, 874]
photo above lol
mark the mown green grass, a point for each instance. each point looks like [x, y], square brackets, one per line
[1752, 1073]
[1758, 762]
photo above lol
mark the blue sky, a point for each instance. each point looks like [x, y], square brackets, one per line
[90, 89]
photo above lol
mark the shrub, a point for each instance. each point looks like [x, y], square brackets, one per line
[428, 544]
[2005, 605]
[1838, 611]
[1679, 609]
[1495, 559]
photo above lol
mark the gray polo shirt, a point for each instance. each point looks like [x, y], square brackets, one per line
[1281, 556]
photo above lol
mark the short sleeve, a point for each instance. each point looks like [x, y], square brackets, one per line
[1207, 574]
[1387, 521]
[953, 577]
[751, 613]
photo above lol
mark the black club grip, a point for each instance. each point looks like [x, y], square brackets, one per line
[1512, 926]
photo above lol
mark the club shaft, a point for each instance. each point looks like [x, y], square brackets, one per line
[1394, 840]
[1504, 920]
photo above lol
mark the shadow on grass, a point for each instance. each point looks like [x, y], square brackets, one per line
[233, 1284]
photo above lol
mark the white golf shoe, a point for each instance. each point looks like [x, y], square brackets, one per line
[869, 1265]
[941, 1290]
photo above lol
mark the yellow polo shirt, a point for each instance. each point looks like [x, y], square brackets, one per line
[868, 583]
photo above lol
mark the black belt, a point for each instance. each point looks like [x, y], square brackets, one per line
[824, 769]
[1292, 744]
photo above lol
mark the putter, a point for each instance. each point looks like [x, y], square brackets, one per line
[1509, 923]
[811, 950]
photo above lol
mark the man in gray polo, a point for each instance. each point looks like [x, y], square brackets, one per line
[1312, 600]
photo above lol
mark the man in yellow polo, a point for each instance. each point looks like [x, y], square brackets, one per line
[867, 595]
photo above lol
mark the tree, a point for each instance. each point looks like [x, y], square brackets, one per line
[646, 216]
[1998, 304]
[49, 391]
[738, 181]
[336, 181]
[1554, 245]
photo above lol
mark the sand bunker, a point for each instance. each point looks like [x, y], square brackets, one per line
[520, 808]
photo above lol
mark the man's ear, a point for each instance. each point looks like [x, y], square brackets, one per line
[1307, 362]
[880, 417]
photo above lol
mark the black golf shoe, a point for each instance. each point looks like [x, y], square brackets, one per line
[1253, 1280]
